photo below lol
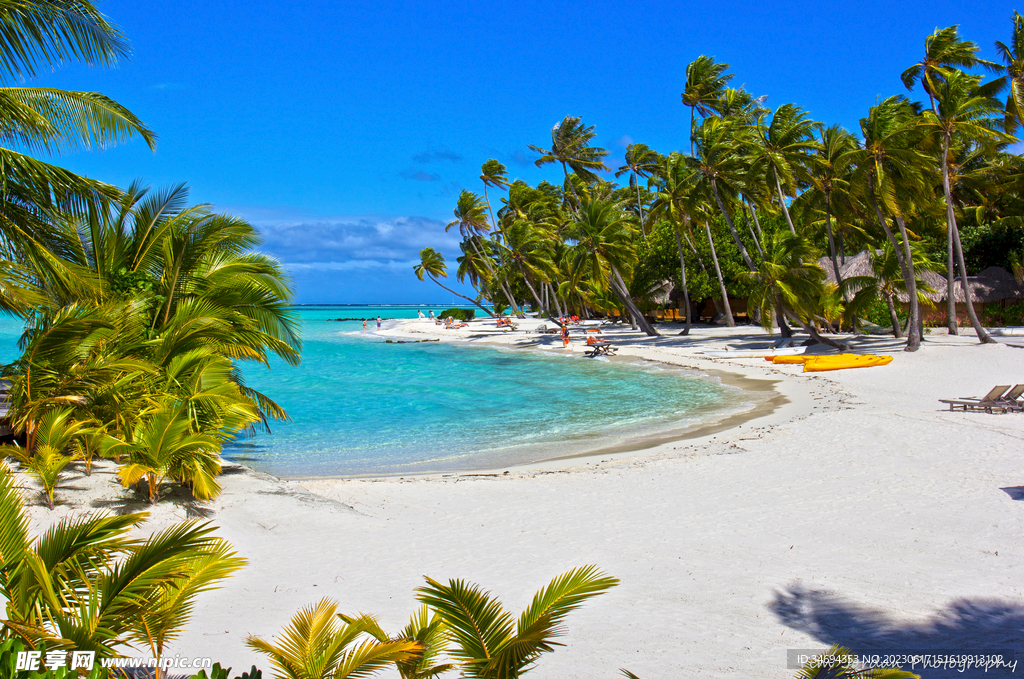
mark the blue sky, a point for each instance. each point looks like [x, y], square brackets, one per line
[345, 130]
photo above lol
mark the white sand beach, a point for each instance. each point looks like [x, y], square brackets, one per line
[861, 512]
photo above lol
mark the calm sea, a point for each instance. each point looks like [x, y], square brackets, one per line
[360, 406]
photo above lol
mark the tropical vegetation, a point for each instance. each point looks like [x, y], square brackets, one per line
[759, 196]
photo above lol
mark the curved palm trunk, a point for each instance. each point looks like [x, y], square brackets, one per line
[782, 201]
[757, 223]
[832, 247]
[916, 317]
[750, 228]
[682, 274]
[495, 276]
[526, 279]
[906, 269]
[554, 297]
[639, 205]
[983, 335]
[623, 292]
[897, 328]
[732, 228]
[721, 281]
[468, 299]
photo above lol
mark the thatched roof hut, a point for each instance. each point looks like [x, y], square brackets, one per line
[994, 284]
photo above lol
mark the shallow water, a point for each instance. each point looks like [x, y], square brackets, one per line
[360, 406]
[363, 407]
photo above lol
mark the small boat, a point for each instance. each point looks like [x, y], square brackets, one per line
[792, 359]
[844, 361]
[754, 353]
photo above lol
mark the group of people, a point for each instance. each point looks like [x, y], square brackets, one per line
[378, 323]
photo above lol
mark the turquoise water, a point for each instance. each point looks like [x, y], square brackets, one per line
[360, 406]
[364, 407]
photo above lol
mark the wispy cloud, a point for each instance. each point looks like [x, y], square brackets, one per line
[522, 159]
[420, 175]
[167, 86]
[622, 142]
[435, 156]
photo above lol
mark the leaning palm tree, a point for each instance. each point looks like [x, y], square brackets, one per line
[675, 182]
[432, 265]
[1013, 65]
[570, 141]
[488, 641]
[471, 218]
[321, 644]
[706, 81]
[788, 283]
[944, 53]
[604, 248]
[965, 113]
[886, 284]
[783, 151]
[640, 161]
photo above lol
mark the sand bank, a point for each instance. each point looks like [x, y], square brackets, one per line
[858, 512]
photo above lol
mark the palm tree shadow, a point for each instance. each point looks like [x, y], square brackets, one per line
[122, 505]
[972, 627]
[1015, 492]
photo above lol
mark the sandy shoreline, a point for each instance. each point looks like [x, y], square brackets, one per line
[857, 512]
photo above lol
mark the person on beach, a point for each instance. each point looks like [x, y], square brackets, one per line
[420, 314]
[431, 312]
[378, 322]
[364, 325]
[565, 336]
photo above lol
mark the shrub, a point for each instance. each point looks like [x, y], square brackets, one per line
[458, 314]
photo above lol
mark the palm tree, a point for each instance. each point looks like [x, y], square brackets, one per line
[54, 121]
[54, 440]
[721, 166]
[889, 169]
[784, 150]
[88, 584]
[320, 644]
[432, 265]
[489, 642]
[640, 162]
[676, 181]
[829, 177]
[966, 113]
[470, 217]
[706, 81]
[944, 52]
[604, 247]
[887, 283]
[788, 283]
[1013, 65]
[569, 147]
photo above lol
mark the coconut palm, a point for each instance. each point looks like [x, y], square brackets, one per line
[163, 447]
[53, 449]
[706, 81]
[890, 169]
[1013, 65]
[604, 248]
[944, 53]
[640, 161]
[788, 283]
[675, 182]
[886, 283]
[470, 217]
[783, 152]
[320, 644]
[964, 113]
[432, 265]
[53, 121]
[720, 164]
[85, 583]
[489, 643]
[569, 148]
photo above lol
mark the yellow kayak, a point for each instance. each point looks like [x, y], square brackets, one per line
[800, 358]
[843, 361]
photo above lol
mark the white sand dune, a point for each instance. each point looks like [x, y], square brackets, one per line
[860, 512]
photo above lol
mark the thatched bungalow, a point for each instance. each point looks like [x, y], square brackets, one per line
[991, 290]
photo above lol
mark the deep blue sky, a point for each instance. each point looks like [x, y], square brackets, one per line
[345, 130]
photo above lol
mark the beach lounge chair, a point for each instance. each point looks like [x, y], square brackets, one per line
[990, 402]
[600, 348]
[1013, 397]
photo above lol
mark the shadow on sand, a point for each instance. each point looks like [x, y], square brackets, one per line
[970, 627]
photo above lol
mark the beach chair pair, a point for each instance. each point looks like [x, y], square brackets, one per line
[1001, 399]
